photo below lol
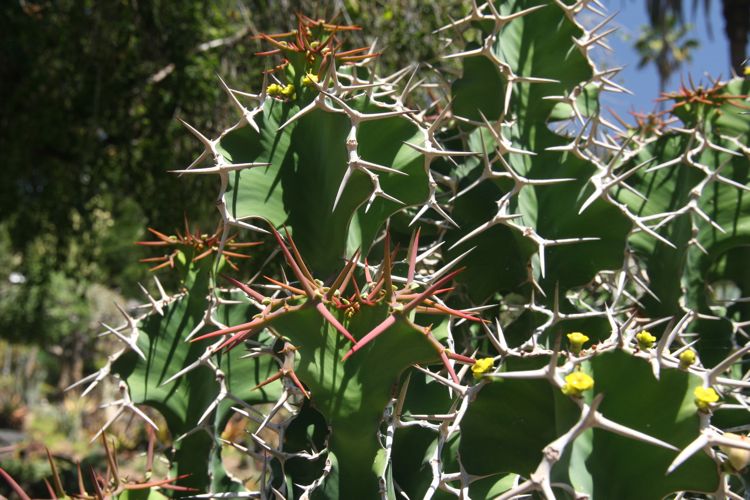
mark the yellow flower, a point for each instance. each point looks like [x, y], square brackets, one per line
[576, 383]
[482, 366]
[309, 80]
[687, 358]
[704, 397]
[577, 339]
[645, 340]
[746, 70]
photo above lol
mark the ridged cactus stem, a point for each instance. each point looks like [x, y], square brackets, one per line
[594, 333]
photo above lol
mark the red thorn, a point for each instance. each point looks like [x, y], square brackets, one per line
[236, 339]
[299, 384]
[245, 288]
[295, 268]
[162, 483]
[383, 326]
[448, 366]
[333, 321]
[460, 358]
[225, 331]
[413, 249]
[161, 236]
[293, 289]
[368, 276]
[431, 289]
[14, 485]
[273, 378]
[51, 492]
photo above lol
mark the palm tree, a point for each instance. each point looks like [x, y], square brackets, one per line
[736, 15]
[667, 46]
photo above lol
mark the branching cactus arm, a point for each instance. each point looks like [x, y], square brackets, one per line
[498, 294]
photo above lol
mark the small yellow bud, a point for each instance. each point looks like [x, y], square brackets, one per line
[645, 340]
[705, 397]
[576, 383]
[288, 91]
[687, 358]
[309, 80]
[482, 366]
[738, 457]
[576, 339]
[274, 90]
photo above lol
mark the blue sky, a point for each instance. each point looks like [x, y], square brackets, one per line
[712, 57]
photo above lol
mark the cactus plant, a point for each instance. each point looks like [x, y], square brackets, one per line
[594, 335]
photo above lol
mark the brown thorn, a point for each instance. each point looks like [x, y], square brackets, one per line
[245, 288]
[55, 474]
[150, 450]
[298, 257]
[272, 378]
[161, 266]
[152, 243]
[162, 258]
[81, 485]
[448, 367]
[203, 255]
[293, 289]
[295, 268]
[159, 235]
[387, 267]
[268, 52]
[413, 249]
[235, 255]
[49, 489]
[111, 462]
[342, 280]
[244, 244]
[98, 493]
[299, 384]
[431, 289]
[368, 276]
[14, 485]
